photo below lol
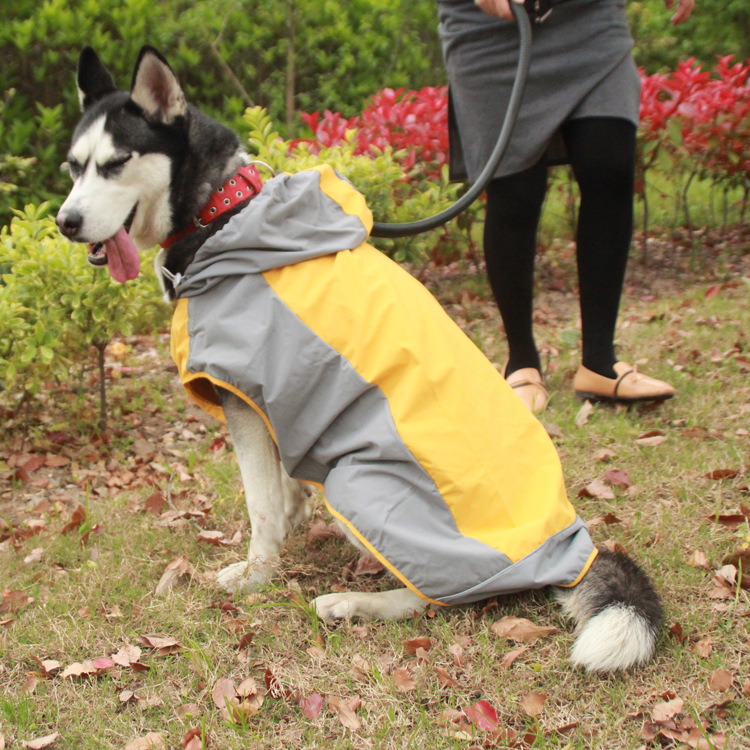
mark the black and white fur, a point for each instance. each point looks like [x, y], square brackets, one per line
[149, 161]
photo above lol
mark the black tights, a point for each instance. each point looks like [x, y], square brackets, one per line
[602, 153]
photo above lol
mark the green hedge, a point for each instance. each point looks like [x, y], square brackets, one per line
[286, 56]
[57, 312]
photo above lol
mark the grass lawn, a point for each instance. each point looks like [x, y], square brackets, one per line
[91, 657]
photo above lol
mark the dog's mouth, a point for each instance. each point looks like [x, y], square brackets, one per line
[118, 253]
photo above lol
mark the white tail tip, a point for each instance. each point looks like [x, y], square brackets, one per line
[616, 638]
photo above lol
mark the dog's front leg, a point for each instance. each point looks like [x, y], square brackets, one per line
[275, 502]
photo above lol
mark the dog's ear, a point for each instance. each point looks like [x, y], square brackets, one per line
[94, 80]
[155, 88]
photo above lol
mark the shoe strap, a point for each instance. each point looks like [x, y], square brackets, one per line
[524, 383]
[622, 377]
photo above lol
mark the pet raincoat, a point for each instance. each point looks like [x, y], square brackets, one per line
[373, 393]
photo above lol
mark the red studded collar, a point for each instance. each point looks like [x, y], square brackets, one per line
[244, 184]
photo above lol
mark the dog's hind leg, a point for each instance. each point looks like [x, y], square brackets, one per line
[276, 503]
[398, 604]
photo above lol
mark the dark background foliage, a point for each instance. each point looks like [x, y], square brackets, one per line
[285, 55]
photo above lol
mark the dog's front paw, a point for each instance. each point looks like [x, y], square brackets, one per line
[333, 608]
[237, 579]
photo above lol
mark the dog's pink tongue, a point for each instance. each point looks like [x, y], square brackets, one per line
[122, 257]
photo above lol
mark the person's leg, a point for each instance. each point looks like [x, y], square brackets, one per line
[602, 154]
[513, 207]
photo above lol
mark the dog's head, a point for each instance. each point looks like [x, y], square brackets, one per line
[122, 160]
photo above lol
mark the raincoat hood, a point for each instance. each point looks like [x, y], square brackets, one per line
[294, 218]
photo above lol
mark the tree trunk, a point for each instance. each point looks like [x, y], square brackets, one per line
[289, 93]
[644, 236]
[689, 223]
[100, 347]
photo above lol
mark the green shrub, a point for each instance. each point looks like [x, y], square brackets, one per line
[58, 313]
[286, 56]
[379, 178]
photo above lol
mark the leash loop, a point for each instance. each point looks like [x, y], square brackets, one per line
[263, 164]
[407, 229]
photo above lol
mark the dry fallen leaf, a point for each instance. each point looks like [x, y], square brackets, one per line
[511, 656]
[311, 705]
[321, 531]
[222, 690]
[722, 474]
[126, 696]
[42, 742]
[151, 741]
[154, 504]
[34, 556]
[597, 489]
[482, 715]
[614, 546]
[412, 645]
[194, 740]
[739, 558]
[87, 668]
[360, 668]
[720, 680]
[721, 589]
[618, 477]
[727, 573]
[667, 710]
[48, 665]
[651, 441]
[533, 703]
[451, 716]
[213, 537]
[236, 709]
[677, 633]
[189, 710]
[232, 705]
[127, 655]
[403, 680]
[345, 713]
[582, 417]
[731, 520]
[13, 601]
[78, 517]
[698, 560]
[444, 677]
[368, 566]
[163, 646]
[176, 568]
[247, 687]
[704, 647]
[521, 630]
[605, 454]
[274, 686]
[458, 654]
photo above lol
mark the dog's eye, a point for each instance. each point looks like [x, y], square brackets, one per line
[73, 168]
[111, 167]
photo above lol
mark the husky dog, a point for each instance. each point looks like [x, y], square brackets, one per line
[333, 367]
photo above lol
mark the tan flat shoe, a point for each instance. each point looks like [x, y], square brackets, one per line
[629, 385]
[529, 387]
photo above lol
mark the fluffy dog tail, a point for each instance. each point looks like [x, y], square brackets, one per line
[617, 614]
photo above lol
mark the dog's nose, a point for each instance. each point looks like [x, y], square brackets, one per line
[69, 222]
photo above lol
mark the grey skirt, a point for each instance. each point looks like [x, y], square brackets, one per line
[581, 66]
